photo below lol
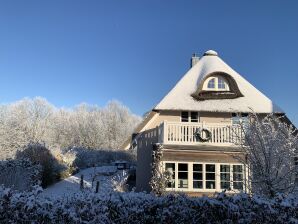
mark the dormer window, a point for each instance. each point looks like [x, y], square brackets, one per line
[216, 83]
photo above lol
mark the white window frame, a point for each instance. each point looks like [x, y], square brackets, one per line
[216, 78]
[217, 177]
[189, 116]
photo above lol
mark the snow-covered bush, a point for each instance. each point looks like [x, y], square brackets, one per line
[144, 208]
[38, 153]
[270, 146]
[19, 174]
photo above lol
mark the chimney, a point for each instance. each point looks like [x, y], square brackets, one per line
[194, 59]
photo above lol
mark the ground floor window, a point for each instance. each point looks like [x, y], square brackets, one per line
[194, 176]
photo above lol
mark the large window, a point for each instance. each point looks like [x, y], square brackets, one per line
[182, 175]
[210, 176]
[192, 176]
[197, 176]
[170, 168]
[238, 177]
[225, 177]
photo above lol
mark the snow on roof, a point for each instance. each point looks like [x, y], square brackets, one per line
[179, 98]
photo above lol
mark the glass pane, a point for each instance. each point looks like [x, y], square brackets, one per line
[182, 167]
[237, 177]
[197, 176]
[210, 176]
[210, 184]
[238, 185]
[237, 168]
[182, 183]
[221, 84]
[211, 84]
[194, 116]
[197, 167]
[225, 185]
[197, 184]
[183, 175]
[225, 168]
[184, 116]
[210, 168]
[225, 176]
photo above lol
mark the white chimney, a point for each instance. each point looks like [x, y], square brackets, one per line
[194, 60]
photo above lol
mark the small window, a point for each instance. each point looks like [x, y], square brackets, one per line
[182, 175]
[194, 116]
[184, 116]
[211, 84]
[241, 118]
[210, 176]
[197, 176]
[221, 84]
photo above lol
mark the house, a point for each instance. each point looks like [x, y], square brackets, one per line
[196, 125]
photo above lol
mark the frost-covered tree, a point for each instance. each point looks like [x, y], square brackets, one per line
[270, 146]
[36, 121]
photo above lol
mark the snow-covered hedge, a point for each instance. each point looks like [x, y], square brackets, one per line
[144, 208]
[19, 174]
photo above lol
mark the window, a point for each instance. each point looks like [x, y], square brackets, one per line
[241, 118]
[210, 176]
[182, 175]
[221, 84]
[197, 176]
[216, 83]
[189, 176]
[184, 116]
[238, 177]
[194, 116]
[189, 116]
[225, 177]
[211, 84]
[170, 168]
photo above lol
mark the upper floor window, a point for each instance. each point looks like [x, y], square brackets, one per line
[189, 116]
[216, 83]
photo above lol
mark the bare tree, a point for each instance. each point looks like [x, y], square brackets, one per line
[270, 147]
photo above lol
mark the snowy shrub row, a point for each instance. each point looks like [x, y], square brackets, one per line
[19, 174]
[84, 158]
[144, 208]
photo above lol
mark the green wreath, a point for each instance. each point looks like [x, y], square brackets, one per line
[198, 134]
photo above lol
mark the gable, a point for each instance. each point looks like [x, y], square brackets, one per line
[185, 94]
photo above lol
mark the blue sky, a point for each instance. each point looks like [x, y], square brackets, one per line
[95, 51]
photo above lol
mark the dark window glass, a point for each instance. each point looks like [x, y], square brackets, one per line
[210, 184]
[197, 167]
[197, 176]
[183, 167]
[225, 185]
[238, 177]
[194, 116]
[198, 184]
[210, 168]
[210, 176]
[184, 116]
[224, 168]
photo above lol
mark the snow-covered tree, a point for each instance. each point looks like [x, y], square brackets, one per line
[270, 146]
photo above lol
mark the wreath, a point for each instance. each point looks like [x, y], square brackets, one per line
[198, 134]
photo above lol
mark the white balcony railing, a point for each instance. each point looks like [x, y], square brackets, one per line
[191, 133]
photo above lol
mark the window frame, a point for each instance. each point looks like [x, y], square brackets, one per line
[216, 84]
[190, 120]
[217, 177]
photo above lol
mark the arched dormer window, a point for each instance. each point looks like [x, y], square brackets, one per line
[216, 83]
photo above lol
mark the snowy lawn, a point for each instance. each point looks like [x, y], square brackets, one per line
[110, 179]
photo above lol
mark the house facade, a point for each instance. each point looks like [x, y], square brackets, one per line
[197, 127]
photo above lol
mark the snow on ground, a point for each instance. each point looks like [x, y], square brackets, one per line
[110, 179]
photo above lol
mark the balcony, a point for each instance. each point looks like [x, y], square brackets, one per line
[199, 133]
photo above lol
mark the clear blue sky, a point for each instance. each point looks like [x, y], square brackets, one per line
[94, 51]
